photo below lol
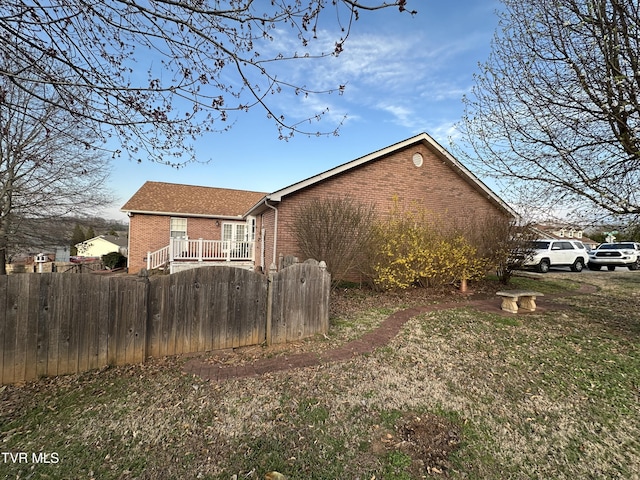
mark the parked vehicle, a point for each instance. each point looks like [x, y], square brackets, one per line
[556, 253]
[612, 255]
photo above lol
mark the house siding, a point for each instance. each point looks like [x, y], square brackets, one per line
[387, 179]
[267, 224]
[385, 182]
[97, 247]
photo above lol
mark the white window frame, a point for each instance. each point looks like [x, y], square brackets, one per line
[251, 231]
[176, 232]
[235, 231]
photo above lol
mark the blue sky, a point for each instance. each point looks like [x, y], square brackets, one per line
[404, 75]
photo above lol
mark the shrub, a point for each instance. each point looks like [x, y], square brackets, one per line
[114, 260]
[338, 231]
[414, 248]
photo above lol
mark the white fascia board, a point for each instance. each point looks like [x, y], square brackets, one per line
[183, 214]
[421, 138]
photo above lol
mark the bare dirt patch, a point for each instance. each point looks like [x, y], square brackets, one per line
[429, 440]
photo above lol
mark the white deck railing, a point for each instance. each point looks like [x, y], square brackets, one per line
[200, 250]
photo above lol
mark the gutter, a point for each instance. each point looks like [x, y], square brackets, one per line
[183, 214]
[275, 231]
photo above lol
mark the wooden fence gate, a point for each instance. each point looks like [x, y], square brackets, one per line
[54, 324]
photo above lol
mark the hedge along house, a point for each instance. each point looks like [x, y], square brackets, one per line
[414, 172]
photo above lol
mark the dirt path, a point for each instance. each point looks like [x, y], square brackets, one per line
[388, 329]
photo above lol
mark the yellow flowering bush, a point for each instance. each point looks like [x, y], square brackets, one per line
[412, 250]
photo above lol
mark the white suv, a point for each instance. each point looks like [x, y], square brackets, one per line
[612, 255]
[544, 254]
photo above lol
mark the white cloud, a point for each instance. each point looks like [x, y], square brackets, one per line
[406, 75]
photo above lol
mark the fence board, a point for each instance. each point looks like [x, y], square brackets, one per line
[30, 332]
[219, 319]
[103, 318]
[141, 319]
[83, 319]
[159, 330]
[54, 324]
[233, 327]
[206, 314]
[4, 289]
[300, 303]
[115, 318]
[21, 305]
[73, 296]
[10, 349]
[43, 321]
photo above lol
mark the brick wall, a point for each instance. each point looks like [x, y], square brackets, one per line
[434, 186]
[149, 233]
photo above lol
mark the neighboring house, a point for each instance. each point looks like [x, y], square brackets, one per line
[101, 245]
[563, 231]
[414, 172]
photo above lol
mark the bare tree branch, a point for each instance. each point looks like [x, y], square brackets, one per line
[557, 105]
[159, 73]
[49, 165]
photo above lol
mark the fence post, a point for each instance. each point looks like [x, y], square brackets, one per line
[272, 273]
[145, 304]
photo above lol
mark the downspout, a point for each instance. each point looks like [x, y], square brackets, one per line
[275, 231]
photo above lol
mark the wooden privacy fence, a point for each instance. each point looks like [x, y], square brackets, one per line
[54, 324]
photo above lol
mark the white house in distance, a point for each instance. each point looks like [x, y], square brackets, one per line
[101, 245]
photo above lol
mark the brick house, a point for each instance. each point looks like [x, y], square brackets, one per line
[416, 171]
[182, 225]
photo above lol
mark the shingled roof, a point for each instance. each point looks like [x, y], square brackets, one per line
[175, 199]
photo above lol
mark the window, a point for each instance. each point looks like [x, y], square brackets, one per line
[178, 227]
[234, 232]
[252, 229]
[540, 245]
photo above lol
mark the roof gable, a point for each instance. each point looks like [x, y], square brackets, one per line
[175, 199]
[422, 138]
[110, 239]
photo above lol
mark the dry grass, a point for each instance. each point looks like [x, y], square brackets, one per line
[457, 394]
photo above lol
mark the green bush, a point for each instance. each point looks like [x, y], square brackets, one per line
[114, 260]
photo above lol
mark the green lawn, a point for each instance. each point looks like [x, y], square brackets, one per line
[457, 393]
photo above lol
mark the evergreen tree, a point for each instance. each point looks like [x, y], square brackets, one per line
[78, 236]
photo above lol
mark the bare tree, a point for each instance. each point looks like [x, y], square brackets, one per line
[49, 166]
[158, 73]
[338, 231]
[504, 243]
[556, 107]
